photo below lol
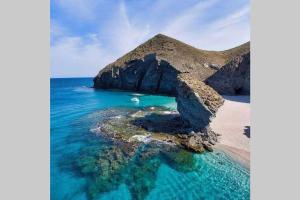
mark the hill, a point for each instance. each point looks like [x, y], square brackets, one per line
[153, 66]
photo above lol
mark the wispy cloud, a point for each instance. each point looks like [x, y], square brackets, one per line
[86, 35]
[74, 56]
[123, 35]
[187, 18]
[232, 19]
[227, 31]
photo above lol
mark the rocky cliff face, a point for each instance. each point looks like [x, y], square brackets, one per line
[163, 65]
[233, 78]
[153, 67]
[145, 75]
[197, 103]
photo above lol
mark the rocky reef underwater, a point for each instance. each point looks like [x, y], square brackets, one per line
[128, 145]
[117, 145]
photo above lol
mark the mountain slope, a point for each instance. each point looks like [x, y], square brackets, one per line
[154, 65]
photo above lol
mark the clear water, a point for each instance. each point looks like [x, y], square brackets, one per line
[75, 109]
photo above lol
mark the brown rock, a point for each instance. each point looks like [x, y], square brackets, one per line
[193, 143]
[207, 146]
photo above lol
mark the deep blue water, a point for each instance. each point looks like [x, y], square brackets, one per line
[76, 108]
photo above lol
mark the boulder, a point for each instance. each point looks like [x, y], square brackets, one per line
[194, 143]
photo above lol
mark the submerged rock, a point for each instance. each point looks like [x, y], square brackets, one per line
[152, 124]
[180, 159]
[121, 150]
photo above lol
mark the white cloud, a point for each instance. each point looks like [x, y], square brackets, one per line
[120, 31]
[187, 18]
[123, 35]
[85, 55]
[222, 33]
[231, 19]
[226, 32]
[73, 56]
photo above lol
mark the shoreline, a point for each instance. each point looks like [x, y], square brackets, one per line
[238, 155]
[232, 121]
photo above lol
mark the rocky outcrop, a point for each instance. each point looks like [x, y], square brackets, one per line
[233, 78]
[144, 75]
[163, 65]
[153, 124]
[197, 103]
[194, 143]
[153, 66]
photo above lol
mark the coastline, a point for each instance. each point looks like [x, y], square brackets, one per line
[238, 155]
[232, 121]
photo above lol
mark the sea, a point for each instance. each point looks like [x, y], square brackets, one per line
[77, 152]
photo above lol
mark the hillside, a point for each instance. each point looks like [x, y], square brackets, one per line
[154, 65]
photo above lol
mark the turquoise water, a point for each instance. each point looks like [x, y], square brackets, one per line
[76, 108]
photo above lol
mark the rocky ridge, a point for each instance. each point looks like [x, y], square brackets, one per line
[153, 66]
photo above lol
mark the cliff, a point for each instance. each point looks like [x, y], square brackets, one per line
[197, 102]
[233, 78]
[153, 66]
[163, 65]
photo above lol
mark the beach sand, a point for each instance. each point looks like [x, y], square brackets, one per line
[232, 121]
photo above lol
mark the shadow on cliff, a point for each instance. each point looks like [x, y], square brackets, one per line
[147, 75]
[233, 78]
[164, 123]
[240, 98]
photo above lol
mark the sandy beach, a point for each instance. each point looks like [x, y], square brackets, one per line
[232, 121]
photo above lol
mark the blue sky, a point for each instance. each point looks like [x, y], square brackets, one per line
[86, 35]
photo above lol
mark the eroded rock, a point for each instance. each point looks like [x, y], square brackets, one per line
[194, 143]
[152, 124]
[233, 78]
[197, 103]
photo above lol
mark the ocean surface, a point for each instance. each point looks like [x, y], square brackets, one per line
[76, 153]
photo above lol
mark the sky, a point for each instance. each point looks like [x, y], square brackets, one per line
[86, 35]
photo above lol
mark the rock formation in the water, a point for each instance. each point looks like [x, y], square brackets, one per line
[163, 65]
[152, 124]
[197, 102]
[233, 78]
[153, 66]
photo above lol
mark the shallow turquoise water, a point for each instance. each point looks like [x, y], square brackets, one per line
[76, 108]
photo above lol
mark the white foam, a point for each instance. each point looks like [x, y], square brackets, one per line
[141, 138]
[136, 114]
[137, 94]
[135, 99]
[82, 89]
[117, 117]
[95, 130]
